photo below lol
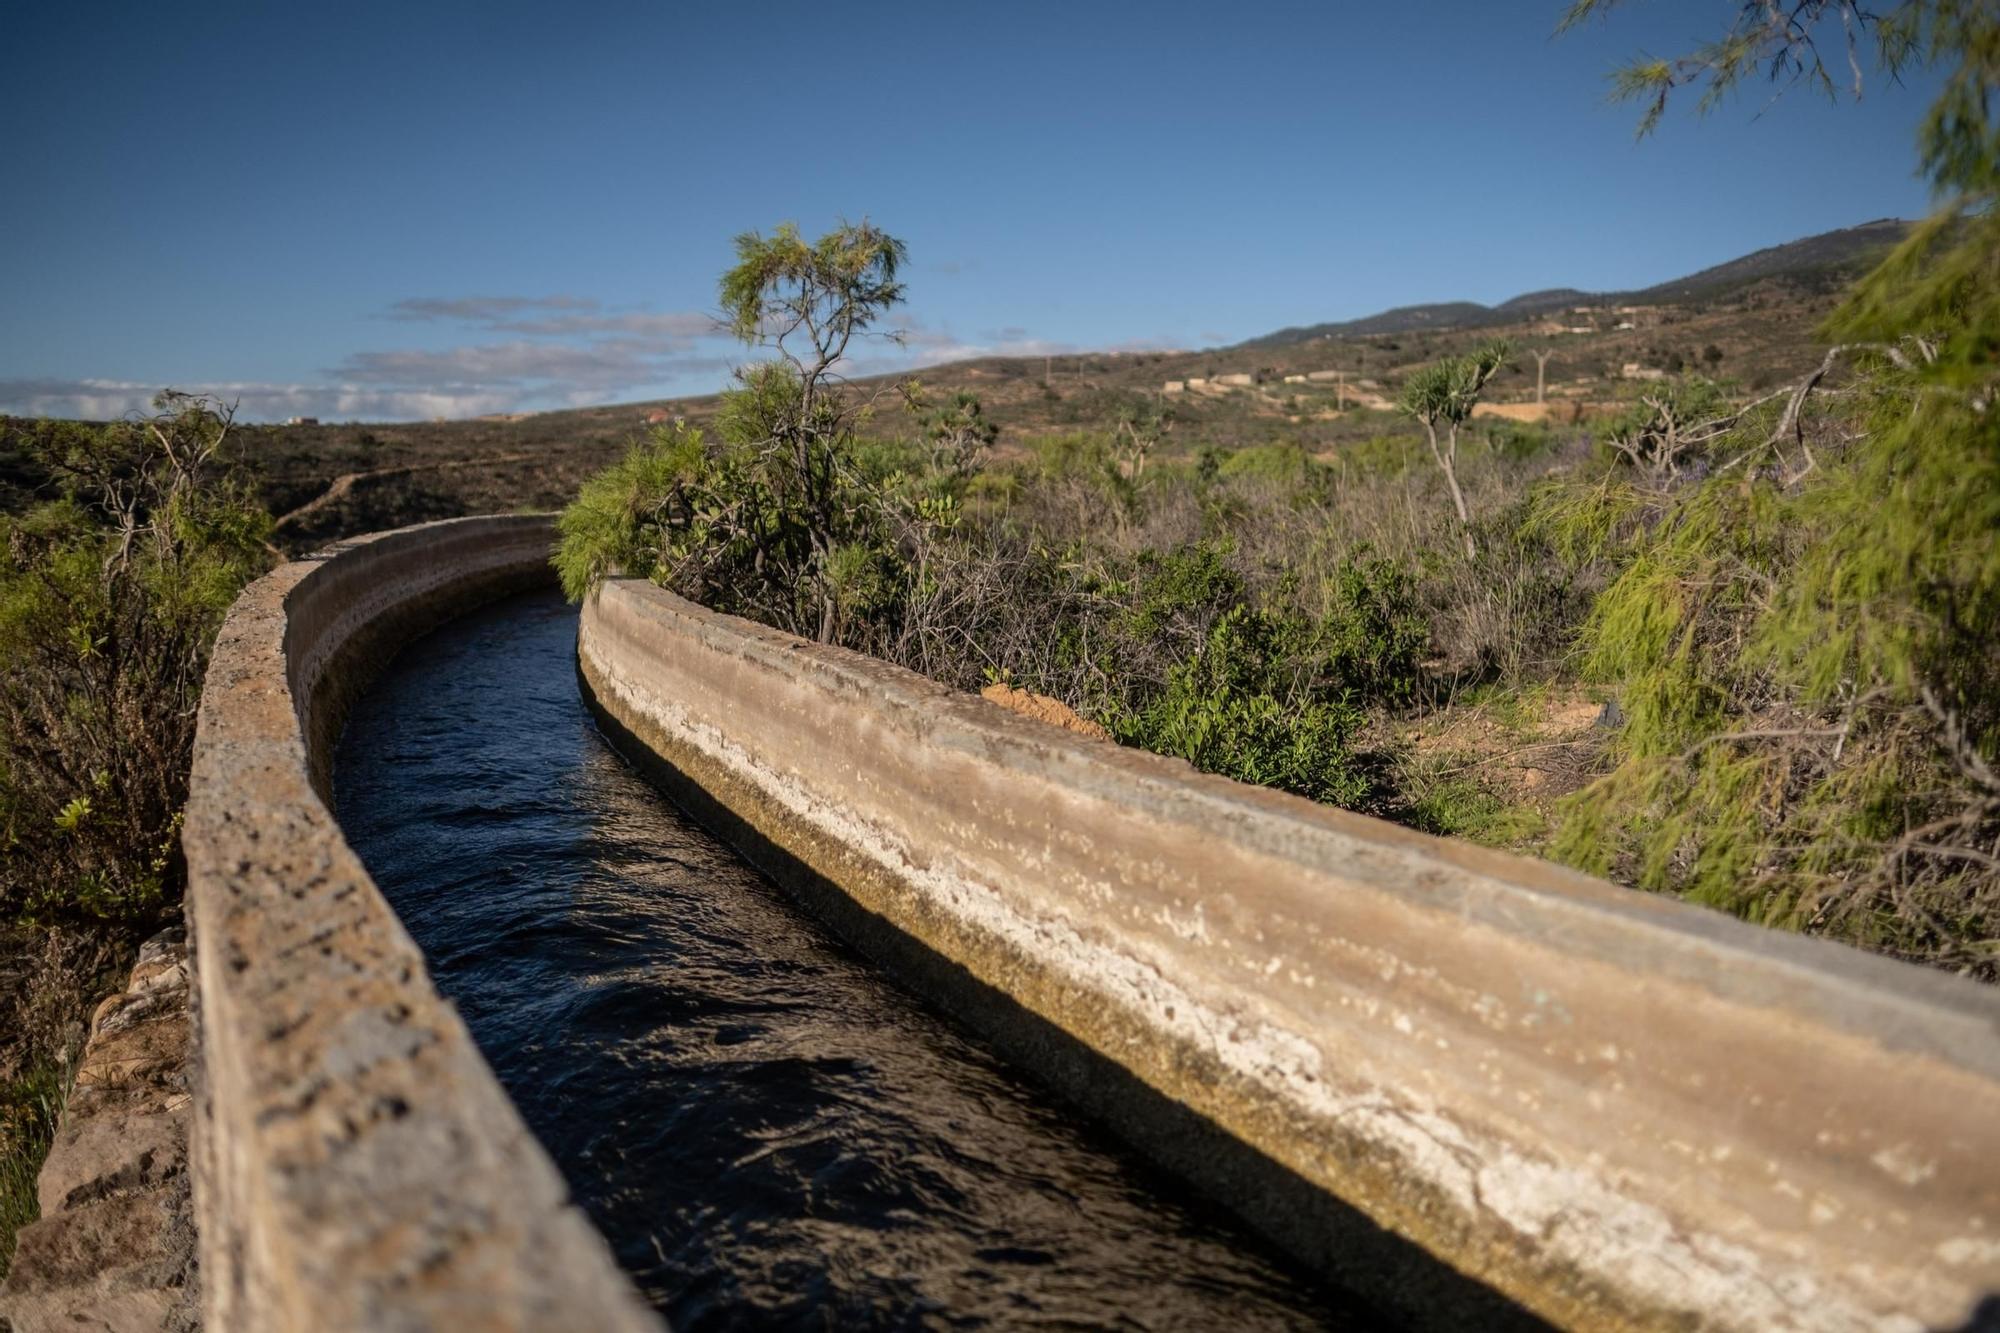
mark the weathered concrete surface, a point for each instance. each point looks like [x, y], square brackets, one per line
[1620, 1110]
[356, 1165]
[115, 1246]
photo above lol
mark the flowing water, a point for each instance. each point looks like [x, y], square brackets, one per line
[770, 1133]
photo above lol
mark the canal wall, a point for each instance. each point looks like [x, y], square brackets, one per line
[1599, 1107]
[355, 1164]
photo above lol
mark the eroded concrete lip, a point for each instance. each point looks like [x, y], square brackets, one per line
[356, 1164]
[1614, 1107]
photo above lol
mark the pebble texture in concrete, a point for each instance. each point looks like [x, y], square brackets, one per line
[1617, 1109]
[356, 1165]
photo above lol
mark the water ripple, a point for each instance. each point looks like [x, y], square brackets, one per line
[770, 1133]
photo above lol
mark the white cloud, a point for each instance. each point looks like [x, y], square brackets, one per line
[481, 309]
[568, 351]
[104, 400]
[678, 324]
[551, 316]
[607, 363]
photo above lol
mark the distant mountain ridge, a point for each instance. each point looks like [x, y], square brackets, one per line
[1830, 254]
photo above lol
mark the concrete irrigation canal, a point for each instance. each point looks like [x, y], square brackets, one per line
[908, 1011]
[767, 1131]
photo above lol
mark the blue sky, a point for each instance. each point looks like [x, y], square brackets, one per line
[391, 211]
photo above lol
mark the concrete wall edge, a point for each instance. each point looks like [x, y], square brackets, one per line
[355, 1162]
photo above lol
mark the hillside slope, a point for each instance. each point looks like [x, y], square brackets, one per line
[1826, 259]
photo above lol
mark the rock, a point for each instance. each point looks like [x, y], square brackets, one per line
[105, 1155]
[114, 1250]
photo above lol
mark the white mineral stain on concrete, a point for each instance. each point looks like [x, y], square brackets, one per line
[1905, 1162]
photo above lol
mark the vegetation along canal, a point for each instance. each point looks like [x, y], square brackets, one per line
[769, 1132]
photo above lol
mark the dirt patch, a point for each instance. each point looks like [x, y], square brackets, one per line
[1044, 709]
[1529, 750]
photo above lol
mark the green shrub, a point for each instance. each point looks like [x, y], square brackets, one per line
[109, 599]
[1177, 595]
[1237, 707]
[1285, 464]
[30, 1105]
[615, 522]
[1519, 441]
[1375, 635]
[1075, 453]
[1385, 455]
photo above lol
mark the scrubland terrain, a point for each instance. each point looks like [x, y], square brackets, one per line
[1749, 323]
[1713, 618]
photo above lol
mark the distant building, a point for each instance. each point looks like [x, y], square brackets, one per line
[1236, 381]
[301, 421]
[1174, 386]
[1632, 370]
[1295, 379]
[658, 415]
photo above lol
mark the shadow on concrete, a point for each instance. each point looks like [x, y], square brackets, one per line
[1985, 1318]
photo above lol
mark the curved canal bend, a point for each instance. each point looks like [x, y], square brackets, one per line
[769, 1133]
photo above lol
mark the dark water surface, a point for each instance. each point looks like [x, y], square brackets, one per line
[769, 1132]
